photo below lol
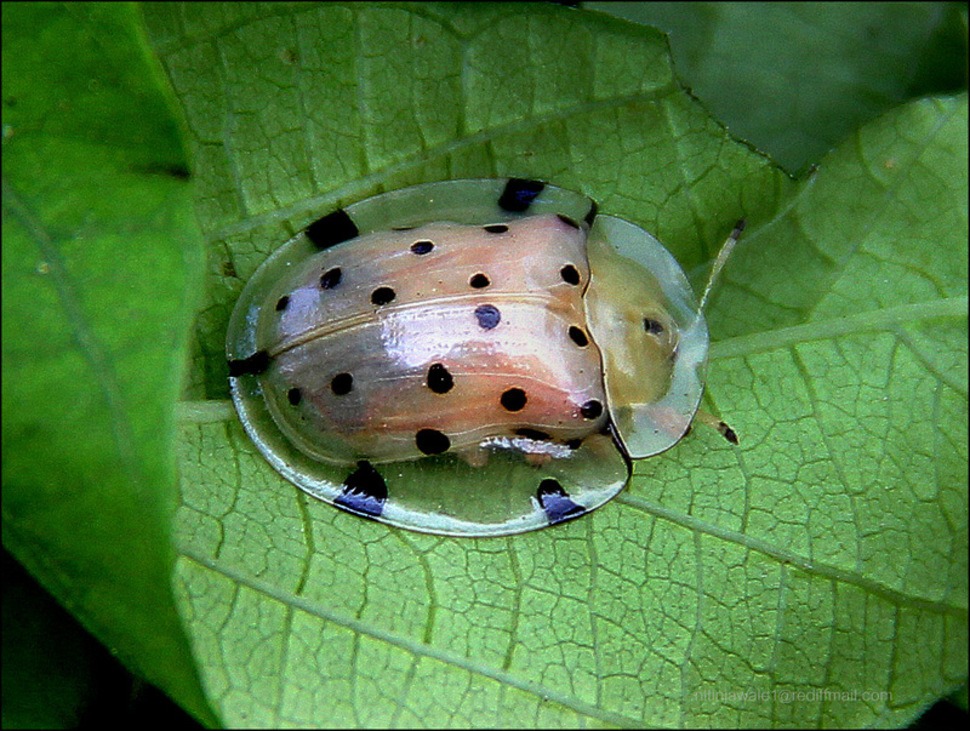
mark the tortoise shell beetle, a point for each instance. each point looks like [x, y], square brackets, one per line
[467, 357]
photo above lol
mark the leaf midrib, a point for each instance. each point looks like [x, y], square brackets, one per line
[416, 648]
[873, 320]
[788, 557]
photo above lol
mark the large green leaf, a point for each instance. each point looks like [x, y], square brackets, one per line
[814, 576]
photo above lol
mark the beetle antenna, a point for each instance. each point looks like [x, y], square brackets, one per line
[722, 256]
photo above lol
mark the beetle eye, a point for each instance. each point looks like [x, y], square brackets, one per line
[653, 326]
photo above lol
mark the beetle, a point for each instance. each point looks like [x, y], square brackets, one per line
[467, 357]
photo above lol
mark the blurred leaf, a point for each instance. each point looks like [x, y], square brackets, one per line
[100, 260]
[795, 78]
[56, 675]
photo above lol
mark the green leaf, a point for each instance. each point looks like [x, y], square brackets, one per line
[795, 78]
[815, 576]
[100, 261]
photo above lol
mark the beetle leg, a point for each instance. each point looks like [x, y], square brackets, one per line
[474, 456]
[537, 459]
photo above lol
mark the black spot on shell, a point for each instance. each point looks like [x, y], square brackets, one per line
[439, 379]
[331, 278]
[514, 399]
[364, 491]
[519, 194]
[294, 396]
[479, 281]
[652, 326]
[332, 229]
[578, 336]
[556, 502]
[342, 384]
[496, 228]
[488, 316]
[282, 302]
[255, 364]
[569, 274]
[382, 295]
[567, 220]
[421, 247]
[539, 436]
[592, 409]
[432, 441]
